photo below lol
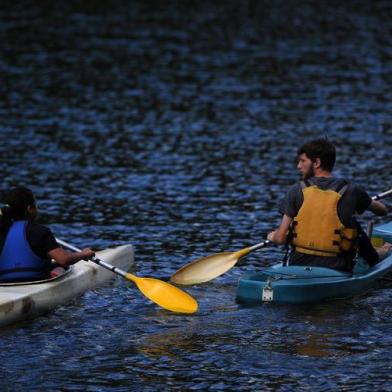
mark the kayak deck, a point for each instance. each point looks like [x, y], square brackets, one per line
[22, 301]
[298, 284]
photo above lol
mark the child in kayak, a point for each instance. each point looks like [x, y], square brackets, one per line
[26, 247]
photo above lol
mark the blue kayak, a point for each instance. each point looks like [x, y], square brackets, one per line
[384, 232]
[298, 284]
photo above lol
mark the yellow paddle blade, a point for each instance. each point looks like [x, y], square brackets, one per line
[165, 295]
[207, 268]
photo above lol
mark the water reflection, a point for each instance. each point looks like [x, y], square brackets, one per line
[330, 345]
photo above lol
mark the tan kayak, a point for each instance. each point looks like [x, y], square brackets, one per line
[26, 300]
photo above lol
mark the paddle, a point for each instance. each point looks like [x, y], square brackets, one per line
[210, 267]
[162, 293]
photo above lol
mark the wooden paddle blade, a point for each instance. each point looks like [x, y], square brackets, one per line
[206, 268]
[165, 295]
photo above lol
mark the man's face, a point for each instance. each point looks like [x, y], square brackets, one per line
[305, 166]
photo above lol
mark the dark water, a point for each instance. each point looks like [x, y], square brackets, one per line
[173, 126]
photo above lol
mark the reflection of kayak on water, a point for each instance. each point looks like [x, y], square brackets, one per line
[19, 301]
[298, 284]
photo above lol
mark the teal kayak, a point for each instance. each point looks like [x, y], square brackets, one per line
[384, 232]
[299, 284]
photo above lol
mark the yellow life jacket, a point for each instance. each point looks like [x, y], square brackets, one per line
[317, 228]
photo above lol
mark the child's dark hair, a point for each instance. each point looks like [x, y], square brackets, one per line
[322, 149]
[15, 206]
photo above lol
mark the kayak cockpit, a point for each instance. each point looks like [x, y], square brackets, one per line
[64, 273]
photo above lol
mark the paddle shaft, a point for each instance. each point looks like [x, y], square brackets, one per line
[382, 195]
[260, 245]
[94, 259]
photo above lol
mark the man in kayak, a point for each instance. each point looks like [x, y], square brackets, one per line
[26, 247]
[319, 214]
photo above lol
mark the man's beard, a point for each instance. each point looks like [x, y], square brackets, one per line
[309, 173]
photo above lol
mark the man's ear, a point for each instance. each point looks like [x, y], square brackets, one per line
[317, 163]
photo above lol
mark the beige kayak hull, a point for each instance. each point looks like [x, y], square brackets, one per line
[22, 301]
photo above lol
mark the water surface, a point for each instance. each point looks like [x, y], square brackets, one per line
[173, 126]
